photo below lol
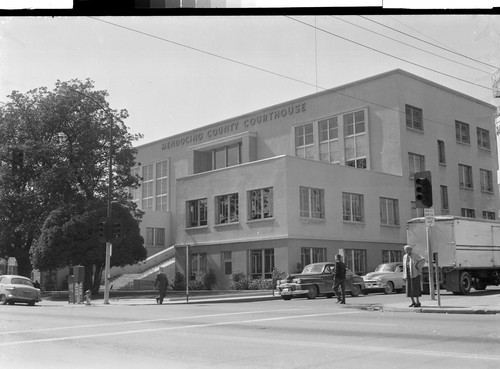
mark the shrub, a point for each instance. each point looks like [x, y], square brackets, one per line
[260, 284]
[179, 282]
[239, 281]
[208, 279]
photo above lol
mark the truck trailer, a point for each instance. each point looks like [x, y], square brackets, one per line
[467, 249]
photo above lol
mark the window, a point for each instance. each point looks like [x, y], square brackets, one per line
[414, 118]
[488, 215]
[416, 163]
[483, 139]
[486, 180]
[416, 212]
[198, 265]
[465, 176]
[155, 236]
[304, 141]
[462, 132]
[355, 139]
[135, 193]
[312, 203]
[262, 263]
[352, 207]
[355, 260]
[260, 204]
[389, 211]
[227, 262]
[441, 152]
[227, 208]
[329, 149]
[468, 213]
[196, 213]
[147, 187]
[226, 156]
[391, 256]
[162, 186]
[310, 255]
[444, 198]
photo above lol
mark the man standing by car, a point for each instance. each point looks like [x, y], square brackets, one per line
[339, 279]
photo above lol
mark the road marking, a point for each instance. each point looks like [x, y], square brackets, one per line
[149, 330]
[144, 321]
[351, 323]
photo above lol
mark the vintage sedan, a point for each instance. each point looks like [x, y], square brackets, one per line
[387, 278]
[317, 280]
[16, 288]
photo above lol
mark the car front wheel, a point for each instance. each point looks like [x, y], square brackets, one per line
[313, 292]
[3, 300]
[389, 288]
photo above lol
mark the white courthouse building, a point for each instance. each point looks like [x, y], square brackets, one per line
[330, 172]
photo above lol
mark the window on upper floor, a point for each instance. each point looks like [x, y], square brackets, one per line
[196, 213]
[260, 203]
[147, 187]
[414, 118]
[352, 207]
[445, 206]
[227, 209]
[355, 140]
[304, 141]
[441, 152]
[162, 186]
[389, 211]
[135, 193]
[329, 145]
[486, 180]
[416, 163]
[489, 215]
[468, 213]
[226, 156]
[483, 139]
[462, 132]
[465, 176]
[155, 236]
[312, 202]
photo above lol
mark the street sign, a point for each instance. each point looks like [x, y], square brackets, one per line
[429, 217]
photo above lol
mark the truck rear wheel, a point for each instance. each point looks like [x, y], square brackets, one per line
[465, 283]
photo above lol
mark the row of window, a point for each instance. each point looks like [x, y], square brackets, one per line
[465, 180]
[262, 261]
[154, 186]
[414, 120]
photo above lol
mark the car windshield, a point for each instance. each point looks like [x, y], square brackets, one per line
[313, 269]
[386, 268]
[21, 281]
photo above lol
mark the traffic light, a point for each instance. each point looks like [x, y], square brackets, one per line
[423, 189]
[102, 230]
[116, 234]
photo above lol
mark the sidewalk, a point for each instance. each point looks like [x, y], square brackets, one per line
[478, 302]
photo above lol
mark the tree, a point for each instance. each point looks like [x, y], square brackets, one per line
[54, 151]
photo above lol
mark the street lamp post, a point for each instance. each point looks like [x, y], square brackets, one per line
[109, 215]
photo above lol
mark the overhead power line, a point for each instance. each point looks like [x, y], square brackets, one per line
[430, 43]
[390, 55]
[332, 90]
[412, 46]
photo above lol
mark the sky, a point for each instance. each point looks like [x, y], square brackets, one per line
[174, 74]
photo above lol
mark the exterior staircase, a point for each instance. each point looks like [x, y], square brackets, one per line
[141, 276]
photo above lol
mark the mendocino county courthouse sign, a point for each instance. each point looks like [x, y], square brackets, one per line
[231, 127]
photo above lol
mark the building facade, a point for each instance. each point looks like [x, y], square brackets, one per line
[331, 172]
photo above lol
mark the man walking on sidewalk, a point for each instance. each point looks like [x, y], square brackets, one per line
[162, 282]
[339, 279]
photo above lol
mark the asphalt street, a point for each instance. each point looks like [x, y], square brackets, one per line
[253, 332]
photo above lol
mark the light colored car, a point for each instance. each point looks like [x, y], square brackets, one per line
[317, 280]
[16, 288]
[387, 277]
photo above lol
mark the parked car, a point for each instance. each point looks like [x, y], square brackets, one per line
[317, 280]
[386, 278]
[16, 288]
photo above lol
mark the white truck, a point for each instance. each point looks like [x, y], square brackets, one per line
[468, 251]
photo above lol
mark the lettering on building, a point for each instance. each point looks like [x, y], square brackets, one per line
[233, 127]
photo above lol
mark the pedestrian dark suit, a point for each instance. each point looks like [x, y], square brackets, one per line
[162, 282]
[339, 279]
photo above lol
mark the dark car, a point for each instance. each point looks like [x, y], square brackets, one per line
[16, 288]
[317, 280]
